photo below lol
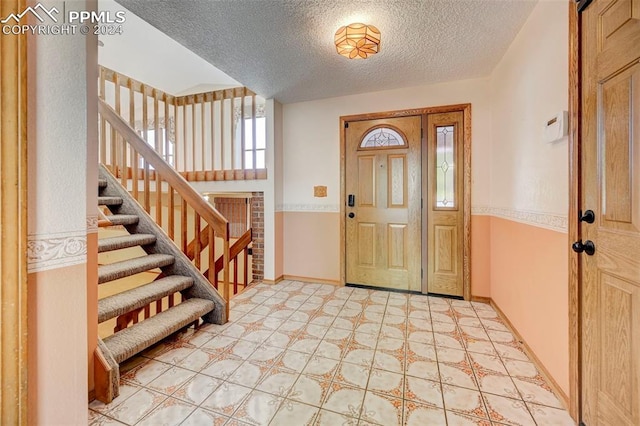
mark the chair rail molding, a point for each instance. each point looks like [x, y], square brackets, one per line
[551, 221]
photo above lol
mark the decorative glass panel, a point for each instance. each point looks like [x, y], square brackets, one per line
[382, 137]
[445, 167]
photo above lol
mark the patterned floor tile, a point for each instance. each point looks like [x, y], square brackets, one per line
[423, 391]
[466, 401]
[169, 381]
[171, 412]
[309, 390]
[223, 367]
[353, 374]
[381, 409]
[201, 417]
[386, 382]
[249, 374]
[416, 414]
[295, 413]
[226, 398]
[457, 419]
[197, 389]
[508, 411]
[340, 396]
[258, 408]
[329, 418]
[313, 354]
[278, 382]
[137, 406]
[550, 416]
[537, 393]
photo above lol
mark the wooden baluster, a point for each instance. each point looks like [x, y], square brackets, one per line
[134, 154]
[253, 135]
[212, 254]
[147, 312]
[103, 123]
[183, 226]
[184, 135]
[242, 132]
[225, 272]
[171, 300]
[167, 131]
[117, 154]
[145, 136]
[235, 275]
[193, 136]
[213, 126]
[246, 267]
[233, 131]
[158, 146]
[202, 138]
[158, 306]
[197, 248]
[171, 212]
[222, 159]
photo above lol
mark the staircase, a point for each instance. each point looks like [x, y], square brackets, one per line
[179, 280]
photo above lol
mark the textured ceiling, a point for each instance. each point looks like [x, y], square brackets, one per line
[284, 48]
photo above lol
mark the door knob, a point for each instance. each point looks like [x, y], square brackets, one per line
[588, 216]
[352, 215]
[588, 247]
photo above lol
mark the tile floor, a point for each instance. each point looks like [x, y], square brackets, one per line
[310, 354]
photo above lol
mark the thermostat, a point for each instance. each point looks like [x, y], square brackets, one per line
[556, 127]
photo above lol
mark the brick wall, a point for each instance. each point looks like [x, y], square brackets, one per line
[257, 226]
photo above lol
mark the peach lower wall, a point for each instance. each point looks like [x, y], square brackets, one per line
[279, 244]
[311, 242]
[529, 284]
[480, 256]
[57, 344]
[311, 247]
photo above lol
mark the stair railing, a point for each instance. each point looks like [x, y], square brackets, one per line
[205, 136]
[170, 192]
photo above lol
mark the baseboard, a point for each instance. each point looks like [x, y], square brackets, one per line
[312, 280]
[271, 282]
[481, 299]
[557, 390]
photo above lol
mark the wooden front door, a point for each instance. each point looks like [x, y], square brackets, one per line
[610, 245]
[382, 185]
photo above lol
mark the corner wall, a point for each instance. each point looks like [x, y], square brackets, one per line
[529, 187]
[57, 226]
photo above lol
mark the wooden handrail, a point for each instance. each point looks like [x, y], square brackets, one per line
[235, 249]
[206, 211]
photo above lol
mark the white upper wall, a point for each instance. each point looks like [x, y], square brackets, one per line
[148, 55]
[312, 138]
[528, 87]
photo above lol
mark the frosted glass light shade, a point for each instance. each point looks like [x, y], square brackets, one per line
[356, 41]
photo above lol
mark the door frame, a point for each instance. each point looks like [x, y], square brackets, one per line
[13, 221]
[575, 187]
[466, 204]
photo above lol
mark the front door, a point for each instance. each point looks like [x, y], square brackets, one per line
[610, 240]
[383, 187]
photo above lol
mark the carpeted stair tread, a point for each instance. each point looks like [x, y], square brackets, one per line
[128, 342]
[102, 183]
[125, 241]
[133, 266]
[139, 297]
[123, 219]
[109, 201]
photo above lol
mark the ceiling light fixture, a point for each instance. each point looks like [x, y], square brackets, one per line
[357, 41]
